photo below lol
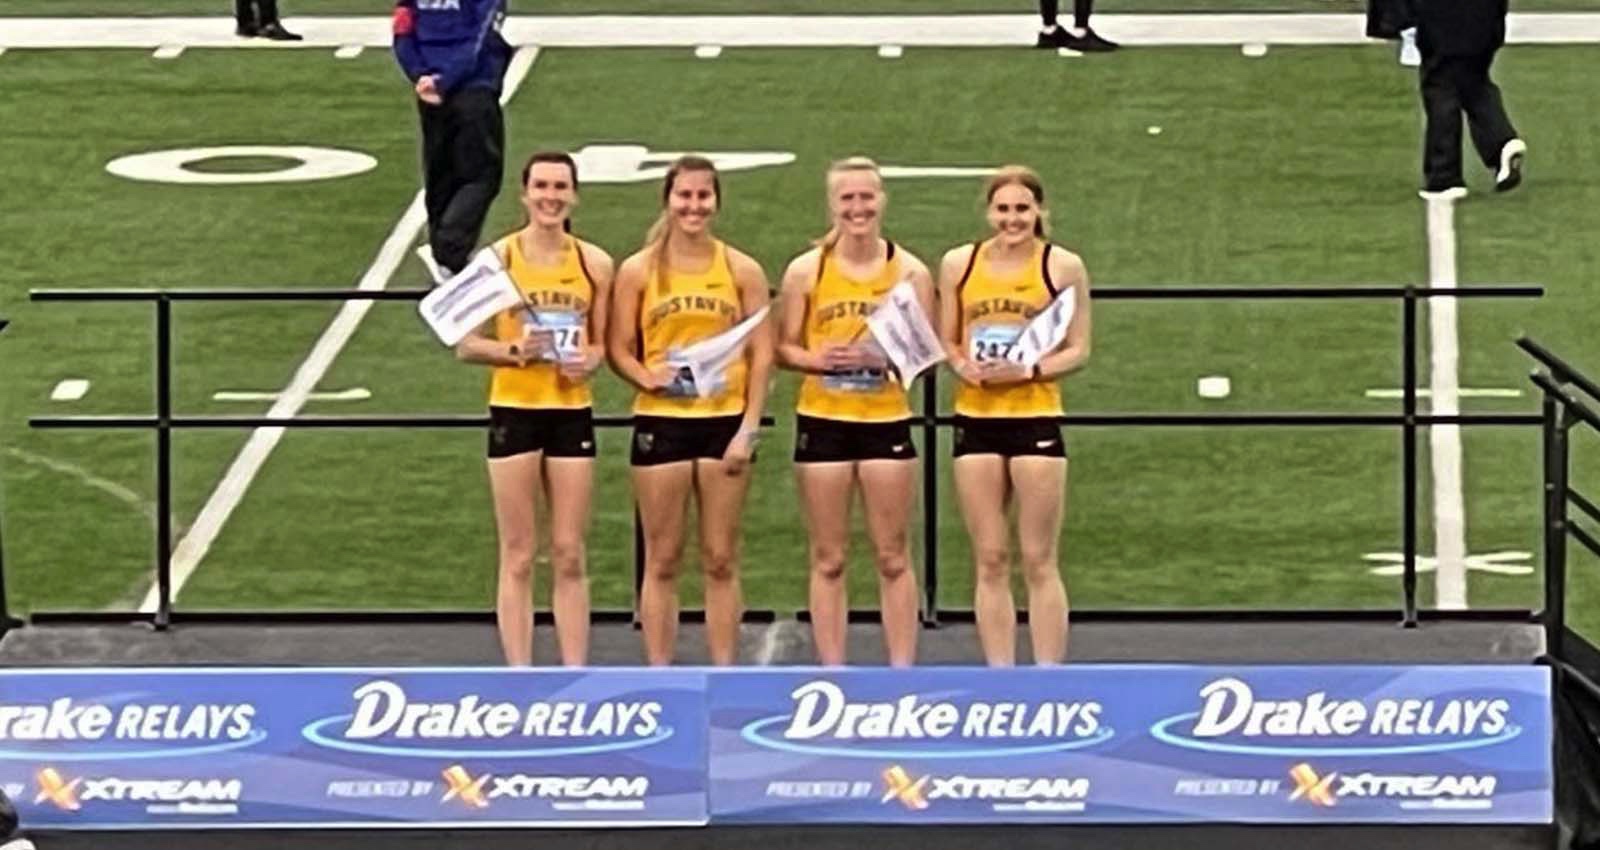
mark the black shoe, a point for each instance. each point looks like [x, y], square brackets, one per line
[276, 32]
[1058, 37]
[1510, 174]
[247, 30]
[1094, 43]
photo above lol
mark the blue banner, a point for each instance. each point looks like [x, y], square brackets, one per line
[163, 749]
[104, 749]
[1133, 744]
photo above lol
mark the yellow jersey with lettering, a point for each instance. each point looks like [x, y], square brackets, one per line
[678, 311]
[555, 298]
[995, 308]
[836, 312]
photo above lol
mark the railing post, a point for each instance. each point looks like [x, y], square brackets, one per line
[1556, 452]
[1408, 458]
[930, 497]
[163, 616]
[7, 622]
[638, 562]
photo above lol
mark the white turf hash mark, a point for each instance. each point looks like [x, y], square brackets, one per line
[1444, 441]
[70, 389]
[1424, 392]
[168, 51]
[192, 549]
[707, 51]
[1509, 563]
[352, 394]
[349, 51]
[891, 51]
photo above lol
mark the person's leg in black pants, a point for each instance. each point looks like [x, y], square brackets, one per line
[1441, 140]
[463, 172]
[1486, 114]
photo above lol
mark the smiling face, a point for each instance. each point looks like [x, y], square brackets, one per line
[549, 194]
[692, 201]
[856, 201]
[1014, 214]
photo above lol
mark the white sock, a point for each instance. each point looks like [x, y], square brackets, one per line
[1049, 30]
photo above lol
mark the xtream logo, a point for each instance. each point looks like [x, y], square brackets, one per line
[162, 796]
[1412, 790]
[565, 792]
[1006, 793]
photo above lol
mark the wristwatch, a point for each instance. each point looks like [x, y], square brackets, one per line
[1038, 373]
[514, 351]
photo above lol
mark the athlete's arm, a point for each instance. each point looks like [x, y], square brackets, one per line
[622, 334]
[951, 269]
[1067, 269]
[480, 346]
[752, 283]
[601, 271]
[792, 302]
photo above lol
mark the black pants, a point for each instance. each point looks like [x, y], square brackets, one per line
[251, 14]
[1451, 85]
[463, 155]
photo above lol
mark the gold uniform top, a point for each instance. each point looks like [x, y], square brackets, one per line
[681, 310]
[555, 298]
[994, 310]
[836, 312]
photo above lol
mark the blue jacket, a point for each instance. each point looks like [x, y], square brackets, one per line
[456, 40]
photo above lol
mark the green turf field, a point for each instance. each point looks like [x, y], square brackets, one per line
[1300, 167]
[292, 8]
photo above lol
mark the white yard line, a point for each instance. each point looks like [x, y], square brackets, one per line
[767, 30]
[192, 549]
[87, 478]
[1444, 441]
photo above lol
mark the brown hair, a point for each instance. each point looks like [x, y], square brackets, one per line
[559, 158]
[655, 239]
[849, 165]
[1021, 175]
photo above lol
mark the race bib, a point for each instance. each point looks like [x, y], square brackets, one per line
[566, 328]
[856, 380]
[992, 341]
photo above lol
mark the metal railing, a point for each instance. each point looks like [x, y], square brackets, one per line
[1563, 408]
[1407, 419]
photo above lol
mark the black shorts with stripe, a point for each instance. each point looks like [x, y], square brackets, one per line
[818, 440]
[1032, 436]
[670, 439]
[558, 432]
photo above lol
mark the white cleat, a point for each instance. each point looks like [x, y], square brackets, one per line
[439, 275]
[1510, 173]
[18, 844]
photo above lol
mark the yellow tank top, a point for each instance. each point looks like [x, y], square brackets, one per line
[994, 310]
[836, 312]
[690, 307]
[557, 298]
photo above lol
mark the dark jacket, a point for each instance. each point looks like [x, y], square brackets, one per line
[1461, 27]
[456, 40]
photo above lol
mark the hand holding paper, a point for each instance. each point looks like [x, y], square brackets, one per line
[902, 330]
[1045, 331]
[708, 360]
[474, 296]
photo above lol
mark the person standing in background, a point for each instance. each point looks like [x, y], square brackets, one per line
[452, 53]
[259, 18]
[1458, 40]
[1080, 37]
